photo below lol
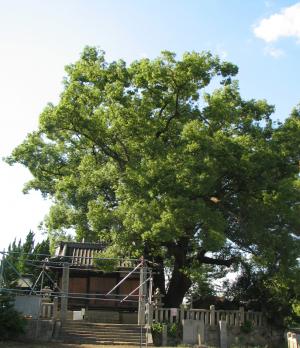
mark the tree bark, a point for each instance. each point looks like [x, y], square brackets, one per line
[180, 282]
[159, 275]
[178, 287]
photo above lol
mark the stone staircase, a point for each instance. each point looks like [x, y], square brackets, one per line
[83, 332]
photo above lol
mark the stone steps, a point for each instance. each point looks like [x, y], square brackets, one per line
[96, 333]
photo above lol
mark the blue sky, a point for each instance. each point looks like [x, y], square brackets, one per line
[38, 38]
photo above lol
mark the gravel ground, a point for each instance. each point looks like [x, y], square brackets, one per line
[55, 345]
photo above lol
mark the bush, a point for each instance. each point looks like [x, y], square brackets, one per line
[11, 322]
[156, 330]
[174, 334]
[174, 331]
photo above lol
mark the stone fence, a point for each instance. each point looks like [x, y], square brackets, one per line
[209, 317]
[49, 310]
[293, 338]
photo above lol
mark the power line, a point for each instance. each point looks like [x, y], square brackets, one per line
[84, 269]
[52, 264]
[74, 267]
[62, 257]
[68, 256]
[60, 295]
[60, 292]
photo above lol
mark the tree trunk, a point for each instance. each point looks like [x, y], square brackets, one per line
[159, 276]
[178, 287]
[180, 283]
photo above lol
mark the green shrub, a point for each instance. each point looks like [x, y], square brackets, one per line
[174, 331]
[157, 327]
[156, 330]
[174, 334]
[11, 322]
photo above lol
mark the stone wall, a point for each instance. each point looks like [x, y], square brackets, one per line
[263, 336]
[28, 305]
[208, 335]
[38, 330]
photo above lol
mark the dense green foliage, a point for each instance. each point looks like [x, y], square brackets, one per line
[24, 258]
[11, 322]
[145, 158]
[276, 293]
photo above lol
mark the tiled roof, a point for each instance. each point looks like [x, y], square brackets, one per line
[78, 254]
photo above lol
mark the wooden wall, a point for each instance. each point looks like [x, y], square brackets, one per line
[80, 285]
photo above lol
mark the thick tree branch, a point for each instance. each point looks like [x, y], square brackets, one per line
[50, 172]
[97, 143]
[176, 113]
[219, 262]
[123, 147]
[201, 258]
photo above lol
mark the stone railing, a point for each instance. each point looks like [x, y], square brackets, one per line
[49, 309]
[207, 316]
[293, 338]
[46, 310]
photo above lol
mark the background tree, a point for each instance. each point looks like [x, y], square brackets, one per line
[13, 253]
[26, 258]
[26, 250]
[146, 159]
[276, 293]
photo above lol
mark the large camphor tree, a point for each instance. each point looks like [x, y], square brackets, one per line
[149, 159]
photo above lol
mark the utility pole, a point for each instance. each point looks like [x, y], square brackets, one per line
[65, 292]
[142, 292]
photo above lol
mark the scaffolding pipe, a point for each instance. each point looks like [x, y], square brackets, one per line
[121, 281]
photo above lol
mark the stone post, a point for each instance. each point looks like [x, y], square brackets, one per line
[201, 334]
[212, 313]
[55, 308]
[223, 334]
[150, 314]
[164, 335]
[182, 311]
[65, 291]
[242, 315]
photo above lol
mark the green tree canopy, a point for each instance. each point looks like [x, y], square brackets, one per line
[148, 159]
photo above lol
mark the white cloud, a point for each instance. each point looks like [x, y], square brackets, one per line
[223, 54]
[273, 52]
[286, 23]
[221, 51]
